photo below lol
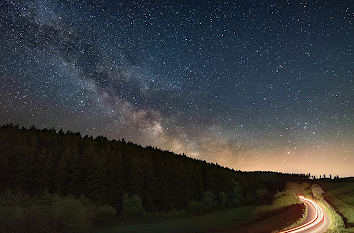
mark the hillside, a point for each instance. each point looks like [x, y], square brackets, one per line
[66, 181]
[340, 194]
[35, 160]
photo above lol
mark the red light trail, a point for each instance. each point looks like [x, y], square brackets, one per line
[316, 222]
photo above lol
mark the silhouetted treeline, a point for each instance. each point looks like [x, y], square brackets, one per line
[35, 161]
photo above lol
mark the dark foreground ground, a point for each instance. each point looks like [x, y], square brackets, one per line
[239, 220]
[285, 217]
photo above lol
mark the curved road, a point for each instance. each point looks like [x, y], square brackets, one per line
[317, 220]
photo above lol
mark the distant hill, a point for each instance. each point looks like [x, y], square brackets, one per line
[34, 161]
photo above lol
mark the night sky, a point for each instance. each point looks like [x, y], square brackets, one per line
[252, 85]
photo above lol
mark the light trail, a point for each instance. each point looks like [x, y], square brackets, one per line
[314, 223]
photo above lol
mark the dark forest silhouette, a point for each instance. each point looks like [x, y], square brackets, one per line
[34, 161]
[124, 177]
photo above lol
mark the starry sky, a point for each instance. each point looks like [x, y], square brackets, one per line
[252, 85]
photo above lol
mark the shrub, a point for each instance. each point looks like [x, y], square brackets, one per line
[132, 207]
[221, 199]
[105, 214]
[195, 207]
[237, 195]
[281, 200]
[208, 200]
[72, 216]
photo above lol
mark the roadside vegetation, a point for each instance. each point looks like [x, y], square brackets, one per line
[283, 199]
[340, 195]
[280, 201]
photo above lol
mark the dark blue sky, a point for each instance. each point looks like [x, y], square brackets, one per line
[254, 85]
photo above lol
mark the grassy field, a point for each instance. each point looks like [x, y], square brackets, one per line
[341, 197]
[227, 218]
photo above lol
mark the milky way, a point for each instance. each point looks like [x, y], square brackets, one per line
[253, 85]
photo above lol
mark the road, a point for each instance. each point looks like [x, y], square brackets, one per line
[317, 220]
